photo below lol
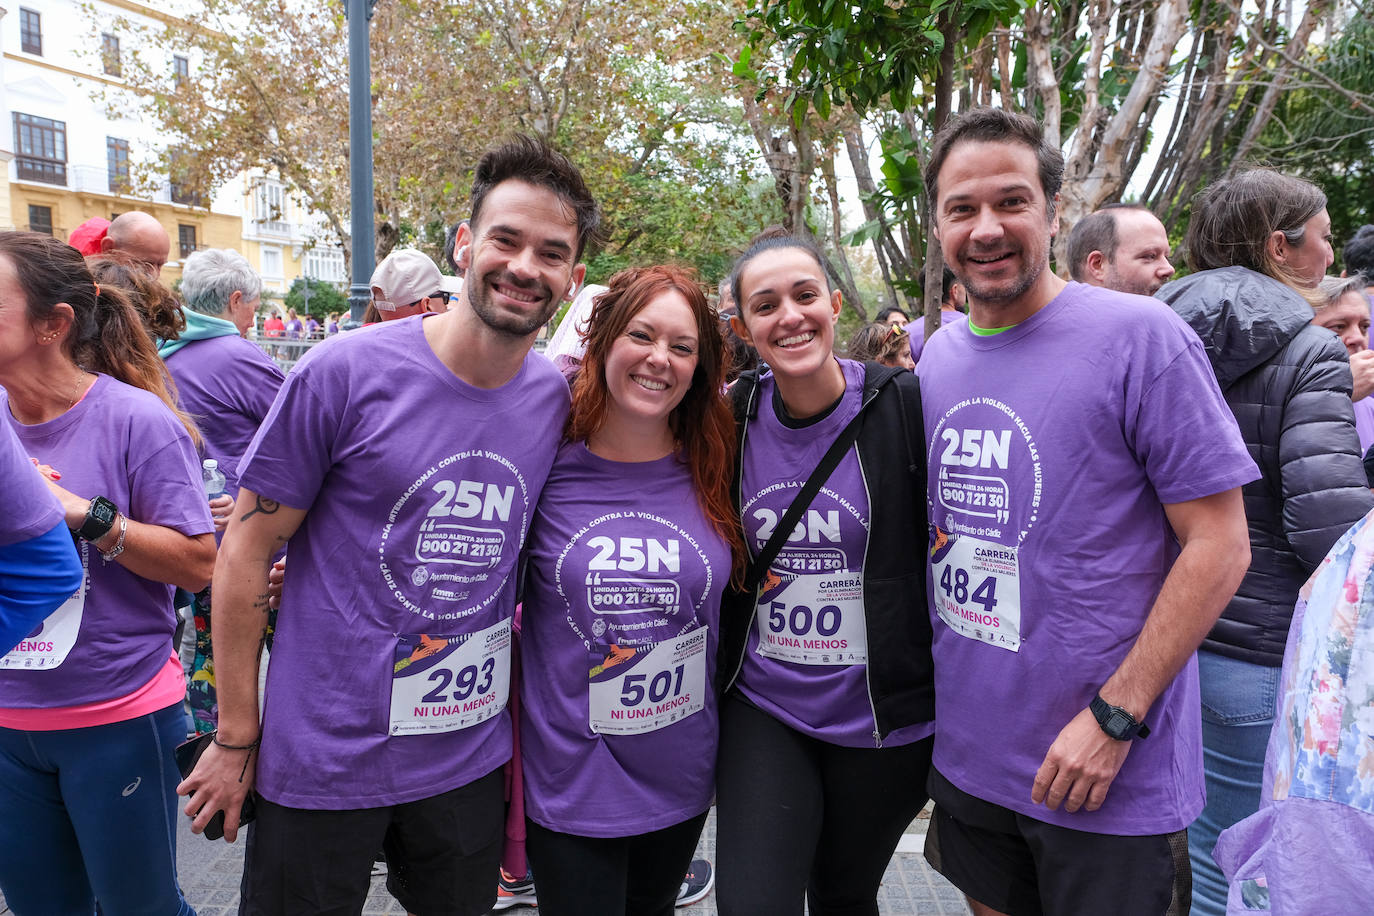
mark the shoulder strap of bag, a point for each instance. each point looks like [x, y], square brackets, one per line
[803, 499]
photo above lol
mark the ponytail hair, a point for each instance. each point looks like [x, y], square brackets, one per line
[108, 335]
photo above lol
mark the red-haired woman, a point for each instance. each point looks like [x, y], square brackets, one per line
[90, 706]
[633, 541]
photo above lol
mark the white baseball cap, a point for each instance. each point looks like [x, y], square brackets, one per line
[407, 276]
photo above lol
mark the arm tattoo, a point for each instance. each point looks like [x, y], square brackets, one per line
[265, 506]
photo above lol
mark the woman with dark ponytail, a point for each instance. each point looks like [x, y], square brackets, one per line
[90, 702]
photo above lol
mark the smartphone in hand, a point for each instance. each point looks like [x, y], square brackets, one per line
[186, 754]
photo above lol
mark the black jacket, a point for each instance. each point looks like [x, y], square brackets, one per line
[892, 461]
[1288, 383]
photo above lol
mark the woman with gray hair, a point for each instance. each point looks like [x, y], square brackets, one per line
[227, 384]
[1260, 243]
[1345, 313]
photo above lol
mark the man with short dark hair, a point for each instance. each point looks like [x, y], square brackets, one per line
[1358, 256]
[953, 300]
[140, 238]
[386, 723]
[1122, 247]
[1087, 529]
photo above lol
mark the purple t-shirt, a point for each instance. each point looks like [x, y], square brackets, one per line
[30, 507]
[294, 327]
[390, 670]
[1364, 422]
[227, 385]
[111, 638]
[618, 726]
[917, 330]
[806, 659]
[1053, 446]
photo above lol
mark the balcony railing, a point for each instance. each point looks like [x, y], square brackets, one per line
[47, 171]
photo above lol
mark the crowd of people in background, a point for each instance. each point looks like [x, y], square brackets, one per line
[1056, 566]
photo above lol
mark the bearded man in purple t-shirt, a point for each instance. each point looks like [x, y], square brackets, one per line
[401, 468]
[1086, 531]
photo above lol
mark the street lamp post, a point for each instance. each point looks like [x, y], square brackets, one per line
[359, 14]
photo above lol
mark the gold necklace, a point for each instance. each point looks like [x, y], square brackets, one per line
[76, 389]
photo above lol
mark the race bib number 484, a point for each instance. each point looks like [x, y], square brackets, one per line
[442, 684]
[977, 589]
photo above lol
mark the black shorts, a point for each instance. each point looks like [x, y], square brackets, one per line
[442, 855]
[1024, 867]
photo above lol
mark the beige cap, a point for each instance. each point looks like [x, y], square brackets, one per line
[407, 276]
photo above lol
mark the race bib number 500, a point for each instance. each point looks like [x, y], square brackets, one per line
[442, 684]
[977, 589]
[816, 620]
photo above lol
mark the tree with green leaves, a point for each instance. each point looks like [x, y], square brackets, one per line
[633, 94]
[309, 296]
[1192, 86]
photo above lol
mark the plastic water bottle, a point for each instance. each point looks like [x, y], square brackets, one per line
[214, 478]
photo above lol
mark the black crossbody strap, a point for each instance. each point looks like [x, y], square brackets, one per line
[813, 484]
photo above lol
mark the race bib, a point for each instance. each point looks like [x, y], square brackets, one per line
[642, 688]
[977, 588]
[815, 620]
[48, 645]
[444, 683]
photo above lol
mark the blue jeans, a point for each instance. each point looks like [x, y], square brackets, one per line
[1238, 707]
[90, 813]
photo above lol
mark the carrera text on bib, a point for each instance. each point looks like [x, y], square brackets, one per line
[445, 683]
[814, 619]
[977, 589]
[633, 690]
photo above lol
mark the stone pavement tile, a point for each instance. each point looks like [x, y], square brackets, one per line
[210, 873]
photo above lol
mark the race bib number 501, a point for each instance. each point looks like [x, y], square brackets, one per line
[633, 691]
[977, 589]
[444, 683]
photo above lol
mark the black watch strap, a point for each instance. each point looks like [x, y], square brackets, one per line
[100, 518]
[1117, 722]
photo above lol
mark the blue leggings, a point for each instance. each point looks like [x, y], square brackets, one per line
[89, 814]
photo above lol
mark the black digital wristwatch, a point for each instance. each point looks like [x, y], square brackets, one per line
[1117, 722]
[100, 518]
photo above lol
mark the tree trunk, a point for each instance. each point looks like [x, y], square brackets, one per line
[832, 189]
[935, 261]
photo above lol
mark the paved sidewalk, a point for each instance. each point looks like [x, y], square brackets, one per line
[210, 878]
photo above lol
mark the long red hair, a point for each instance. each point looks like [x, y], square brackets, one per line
[701, 424]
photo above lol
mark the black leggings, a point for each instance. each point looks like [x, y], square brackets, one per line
[797, 816]
[597, 876]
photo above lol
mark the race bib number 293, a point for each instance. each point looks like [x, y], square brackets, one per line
[442, 684]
